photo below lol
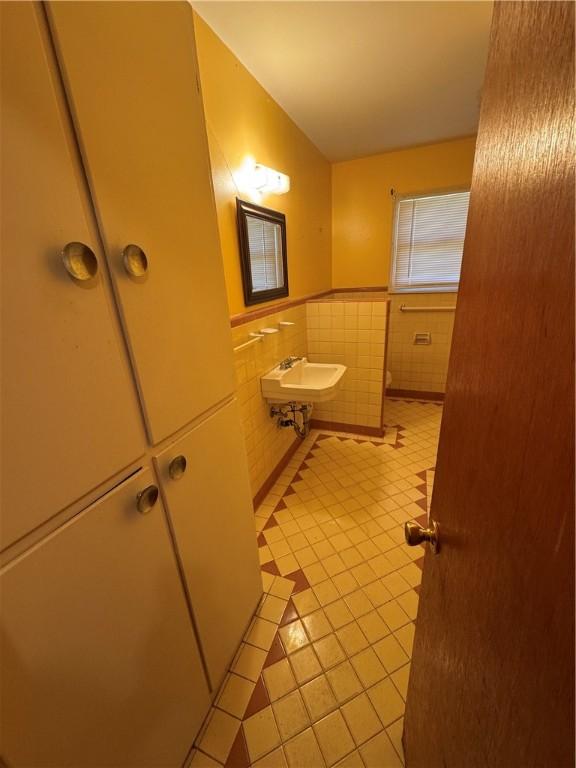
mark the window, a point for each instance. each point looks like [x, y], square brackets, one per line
[262, 237]
[428, 242]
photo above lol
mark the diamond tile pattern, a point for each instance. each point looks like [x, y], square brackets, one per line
[321, 676]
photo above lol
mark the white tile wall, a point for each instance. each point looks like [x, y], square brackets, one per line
[265, 443]
[352, 333]
[422, 368]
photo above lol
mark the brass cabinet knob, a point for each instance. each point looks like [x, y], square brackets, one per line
[135, 261]
[79, 261]
[177, 467]
[417, 534]
[146, 499]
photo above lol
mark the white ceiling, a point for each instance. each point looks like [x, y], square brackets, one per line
[363, 77]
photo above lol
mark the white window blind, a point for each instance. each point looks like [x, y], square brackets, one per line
[428, 242]
[265, 240]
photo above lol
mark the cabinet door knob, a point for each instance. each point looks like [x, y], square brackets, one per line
[177, 467]
[135, 260]
[146, 499]
[80, 262]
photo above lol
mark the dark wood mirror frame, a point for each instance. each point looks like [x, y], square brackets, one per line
[243, 211]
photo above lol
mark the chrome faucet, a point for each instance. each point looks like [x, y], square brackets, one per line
[288, 363]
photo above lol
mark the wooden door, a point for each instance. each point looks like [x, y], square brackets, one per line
[210, 509]
[492, 676]
[132, 80]
[99, 662]
[70, 416]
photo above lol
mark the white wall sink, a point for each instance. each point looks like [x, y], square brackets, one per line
[303, 382]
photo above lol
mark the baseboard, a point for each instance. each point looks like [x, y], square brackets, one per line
[356, 429]
[415, 394]
[275, 474]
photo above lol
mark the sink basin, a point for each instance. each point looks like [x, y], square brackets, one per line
[304, 382]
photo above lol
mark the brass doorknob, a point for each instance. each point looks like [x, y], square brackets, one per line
[177, 467]
[146, 499]
[416, 534]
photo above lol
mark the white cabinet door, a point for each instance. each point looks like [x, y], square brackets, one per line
[70, 416]
[210, 508]
[132, 79]
[100, 666]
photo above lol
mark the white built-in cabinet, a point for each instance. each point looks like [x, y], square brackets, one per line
[147, 161]
[69, 415]
[216, 548]
[100, 666]
[129, 569]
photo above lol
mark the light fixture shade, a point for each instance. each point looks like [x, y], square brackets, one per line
[268, 181]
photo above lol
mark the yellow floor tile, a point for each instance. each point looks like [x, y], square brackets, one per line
[373, 626]
[334, 737]
[338, 614]
[394, 732]
[400, 680]
[393, 614]
[358, 603]
[303, 750]
[326, 592]
[249, 662]
[291, 715]
[201, 760]
[405, 636]
[279, 679]
[272, 608]
[353, 760]
[352, 638]
[387, 702]
[409, 603]
[306, 602]
[379, 753]
[305, 665]
[361, 719]
[219, 735]
[261, 633]
[318, 697]
[235, 695]
[287, 564]
[261, 734]
[344, 682]
[368, 667]
[293, 636]
[345, 582]
[281, 587]
[275, 759]
[329, 651]
[317, 625]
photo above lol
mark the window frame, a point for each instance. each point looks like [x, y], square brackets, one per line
[243, 210]
[437, 288]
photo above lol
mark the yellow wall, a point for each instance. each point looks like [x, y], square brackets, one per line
[362, 207]
[243, 120]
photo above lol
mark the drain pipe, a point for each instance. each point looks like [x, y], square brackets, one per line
[287, 417]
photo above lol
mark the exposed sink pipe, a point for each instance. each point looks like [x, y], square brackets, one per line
[287, 417]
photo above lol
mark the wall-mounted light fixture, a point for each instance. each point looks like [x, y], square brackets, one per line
[254, 180]
[268, 181]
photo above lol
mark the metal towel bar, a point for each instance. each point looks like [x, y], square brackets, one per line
[404, 308]
[256, 337]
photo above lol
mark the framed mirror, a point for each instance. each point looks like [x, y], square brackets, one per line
[262, 240]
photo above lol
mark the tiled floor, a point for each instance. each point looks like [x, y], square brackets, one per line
[321, 677]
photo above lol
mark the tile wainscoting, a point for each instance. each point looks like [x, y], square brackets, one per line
[364, 331]
[414, 367]
[266, 445]
[351, 332]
